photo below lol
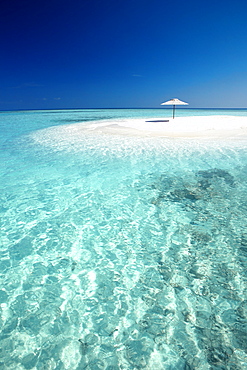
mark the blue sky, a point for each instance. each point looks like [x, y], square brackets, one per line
[122, 53]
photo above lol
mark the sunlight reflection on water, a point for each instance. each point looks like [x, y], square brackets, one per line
[123, 253]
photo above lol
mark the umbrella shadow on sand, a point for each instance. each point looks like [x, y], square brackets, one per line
[159, 120]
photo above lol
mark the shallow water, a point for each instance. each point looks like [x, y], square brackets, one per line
[120, 252]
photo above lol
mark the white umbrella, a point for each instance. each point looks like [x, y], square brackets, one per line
[174, 102]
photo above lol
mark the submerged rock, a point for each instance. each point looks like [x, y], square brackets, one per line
[217, 173]
[218, 355]
[180, 194]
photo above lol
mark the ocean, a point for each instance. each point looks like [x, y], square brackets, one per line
[119, 251]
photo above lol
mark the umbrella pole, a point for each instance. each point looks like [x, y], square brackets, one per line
[173, 111]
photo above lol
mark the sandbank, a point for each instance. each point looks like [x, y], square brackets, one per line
[180, 127]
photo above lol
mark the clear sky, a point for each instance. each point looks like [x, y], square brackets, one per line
[122, 53]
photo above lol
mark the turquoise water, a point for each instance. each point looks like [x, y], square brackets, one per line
[120, 252]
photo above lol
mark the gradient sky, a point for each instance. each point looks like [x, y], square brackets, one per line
[122, 53]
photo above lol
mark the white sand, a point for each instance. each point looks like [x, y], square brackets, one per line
[191, 127]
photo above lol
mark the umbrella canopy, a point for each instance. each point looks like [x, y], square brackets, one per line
[174, 102]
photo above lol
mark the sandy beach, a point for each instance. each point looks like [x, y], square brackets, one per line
[180, 127]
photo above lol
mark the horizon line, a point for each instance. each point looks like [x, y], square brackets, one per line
[166, 108]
